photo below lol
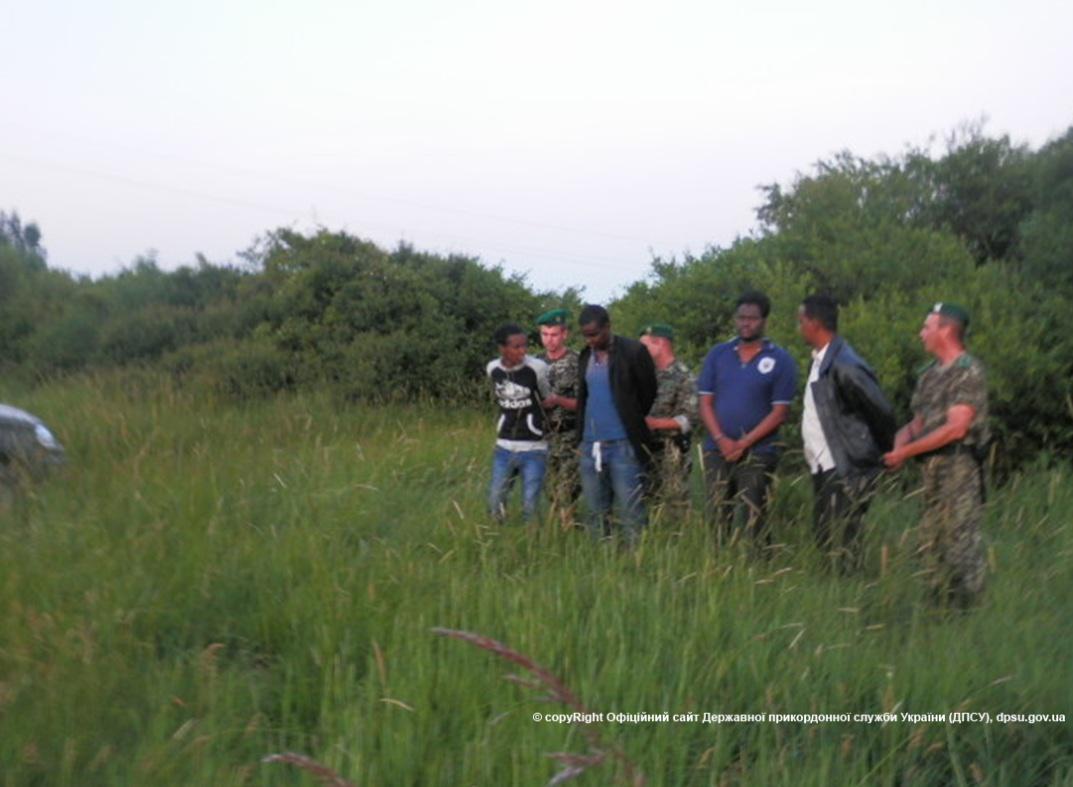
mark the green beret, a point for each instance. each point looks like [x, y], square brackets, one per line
[953, 311]
[658, 329]
[554, 317]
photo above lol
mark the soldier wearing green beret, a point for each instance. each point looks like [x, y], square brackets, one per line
[672, 419]
[949, 433]
[563, 478]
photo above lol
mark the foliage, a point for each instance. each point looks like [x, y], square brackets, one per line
[983, 221]
[1046, 247]
[889, 238]
[981, 191]
[23, 238]
[211, 581]
[327, 308]
[384, 325]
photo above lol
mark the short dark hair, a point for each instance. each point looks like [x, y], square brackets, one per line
[959, 326]
[823, 309]
[756, 298]
[506, 330]
[592, 313]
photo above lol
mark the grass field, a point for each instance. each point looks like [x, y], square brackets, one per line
[209, 583]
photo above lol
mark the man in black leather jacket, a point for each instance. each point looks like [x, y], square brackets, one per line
[847, 426]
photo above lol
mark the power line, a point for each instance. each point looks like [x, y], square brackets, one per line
[247, 172]
[547, 254]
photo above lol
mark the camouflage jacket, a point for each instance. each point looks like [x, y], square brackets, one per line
[676, 398]
[562, 379]
[962, 382]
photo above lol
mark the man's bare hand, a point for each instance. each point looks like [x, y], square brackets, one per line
[732, 450]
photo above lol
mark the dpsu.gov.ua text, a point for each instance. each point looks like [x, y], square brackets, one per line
[665, 717]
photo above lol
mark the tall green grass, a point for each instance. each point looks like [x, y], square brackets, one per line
[208, 583]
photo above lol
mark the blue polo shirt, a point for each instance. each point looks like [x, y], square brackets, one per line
[745, 393]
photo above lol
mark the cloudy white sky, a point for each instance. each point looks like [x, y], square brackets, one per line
[568, 141]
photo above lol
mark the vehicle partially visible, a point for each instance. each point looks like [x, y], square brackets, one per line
[28, 449]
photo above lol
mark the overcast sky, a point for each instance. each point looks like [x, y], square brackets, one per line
[566, 140]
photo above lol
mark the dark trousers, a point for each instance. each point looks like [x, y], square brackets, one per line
[838, 505]
[736, 495]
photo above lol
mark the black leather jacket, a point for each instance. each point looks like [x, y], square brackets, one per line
[858, 422]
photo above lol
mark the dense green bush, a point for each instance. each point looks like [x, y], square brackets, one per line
[384, 325]
[865, 233]
[327, 308]
[241, 369]
[1046, 235]
[984, 222]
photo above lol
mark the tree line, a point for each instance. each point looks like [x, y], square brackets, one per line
[985, 222]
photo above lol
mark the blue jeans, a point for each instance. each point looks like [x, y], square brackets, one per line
[530, 465]
[611, 472]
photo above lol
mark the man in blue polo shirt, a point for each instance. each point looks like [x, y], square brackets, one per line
[746, 387]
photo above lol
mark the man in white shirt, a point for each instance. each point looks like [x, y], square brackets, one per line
[847, 426]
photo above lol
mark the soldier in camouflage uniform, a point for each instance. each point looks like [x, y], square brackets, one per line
[949, 431]
[671, 419]
[564, 478]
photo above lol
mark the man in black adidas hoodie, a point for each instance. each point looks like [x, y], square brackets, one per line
[519, 383]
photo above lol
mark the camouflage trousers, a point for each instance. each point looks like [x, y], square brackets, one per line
[950, 540]
[563, 478]
[668, 484]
